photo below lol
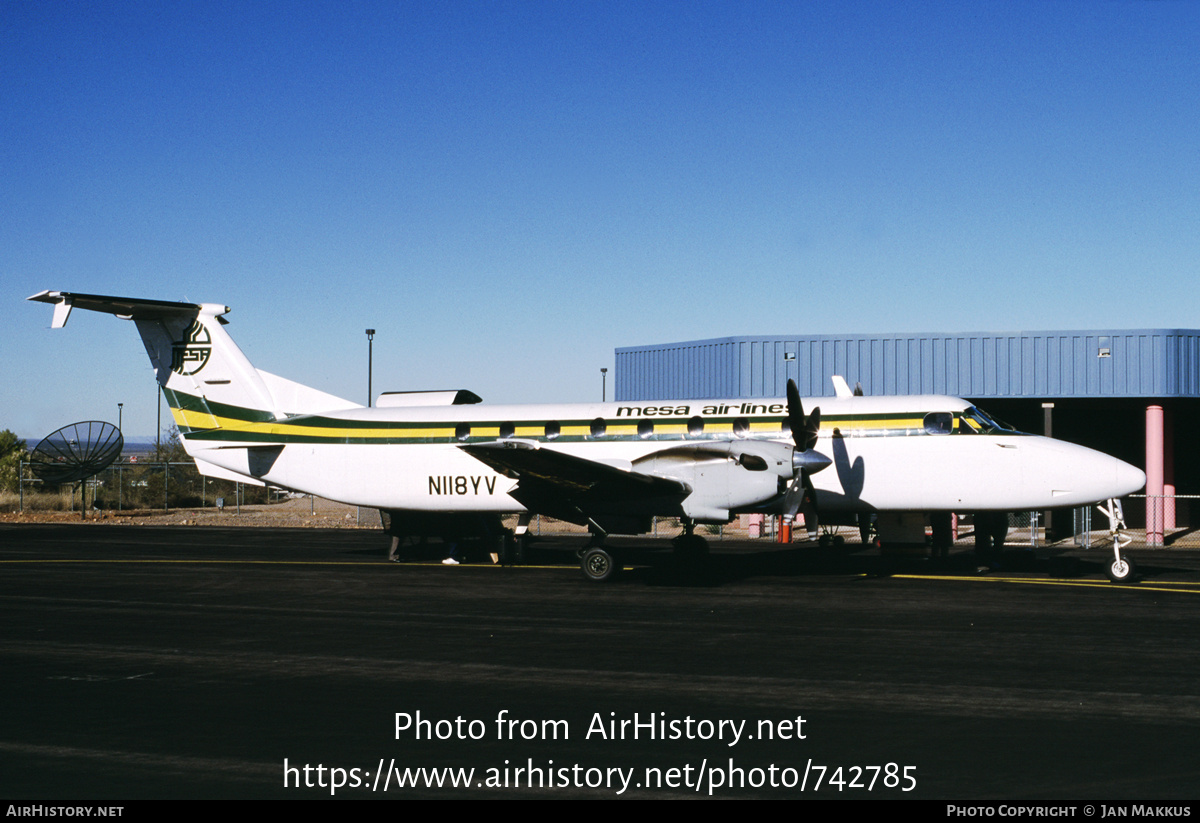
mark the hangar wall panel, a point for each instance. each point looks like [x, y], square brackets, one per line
[1107, 363]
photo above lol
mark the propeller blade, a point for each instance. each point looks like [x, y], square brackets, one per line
[805, 461]
[793, 500]
[804, 429]
[795, 413]
[811, 428]
[801, 494]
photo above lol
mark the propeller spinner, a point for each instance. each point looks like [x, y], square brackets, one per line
[805, 459]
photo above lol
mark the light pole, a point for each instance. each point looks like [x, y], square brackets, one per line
[370, 362]
[120, 417]
[603, 385]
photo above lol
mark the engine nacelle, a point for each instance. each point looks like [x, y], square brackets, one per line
[724, 477]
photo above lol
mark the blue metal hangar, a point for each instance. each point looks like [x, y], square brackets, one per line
[1127, 392]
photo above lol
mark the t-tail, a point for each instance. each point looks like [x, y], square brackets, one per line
[214, 392]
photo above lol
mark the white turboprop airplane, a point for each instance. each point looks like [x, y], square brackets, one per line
[435, 462]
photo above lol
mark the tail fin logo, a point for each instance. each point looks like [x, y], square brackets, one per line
[191, 354]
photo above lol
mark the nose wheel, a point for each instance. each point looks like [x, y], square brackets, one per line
[1120, 569]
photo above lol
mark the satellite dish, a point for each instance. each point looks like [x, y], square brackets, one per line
[75, 452]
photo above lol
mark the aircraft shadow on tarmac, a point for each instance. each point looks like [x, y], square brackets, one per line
[654, 563]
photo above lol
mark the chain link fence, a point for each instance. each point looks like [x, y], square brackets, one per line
[130, 485]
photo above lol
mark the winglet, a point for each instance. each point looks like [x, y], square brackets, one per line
[62, 310]
[62, 306]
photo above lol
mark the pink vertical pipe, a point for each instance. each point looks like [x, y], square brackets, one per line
[1168, 470]
[1154, 475]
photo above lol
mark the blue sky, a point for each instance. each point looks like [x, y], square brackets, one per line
[507, 191]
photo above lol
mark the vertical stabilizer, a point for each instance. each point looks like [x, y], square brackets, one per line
[207, 380]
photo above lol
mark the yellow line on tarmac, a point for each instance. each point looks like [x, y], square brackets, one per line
[1175, 587]
[1029, 581]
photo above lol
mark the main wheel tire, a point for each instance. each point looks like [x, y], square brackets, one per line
[599, 566]
[1120, 570]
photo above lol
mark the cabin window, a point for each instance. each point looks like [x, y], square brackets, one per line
[462, 431]
[599, 427]
[696, 426]
[553, 430]
[741, 427]
[645, 428]
[939, 423]
[507, 430]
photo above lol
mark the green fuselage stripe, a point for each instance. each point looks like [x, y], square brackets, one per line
[201, 420]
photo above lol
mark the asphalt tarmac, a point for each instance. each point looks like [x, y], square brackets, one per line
[176, 662]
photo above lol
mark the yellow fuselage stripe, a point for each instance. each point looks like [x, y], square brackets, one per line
[203, 421]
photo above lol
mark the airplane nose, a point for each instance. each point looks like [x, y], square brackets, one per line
[1129, 478]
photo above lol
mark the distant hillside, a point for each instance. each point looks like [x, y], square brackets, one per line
[138, 445]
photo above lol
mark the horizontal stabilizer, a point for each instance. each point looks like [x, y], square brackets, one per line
[130, 308]
[206, 377]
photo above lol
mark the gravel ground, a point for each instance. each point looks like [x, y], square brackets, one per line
[301, 512]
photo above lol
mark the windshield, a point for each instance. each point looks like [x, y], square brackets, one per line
[975, 421]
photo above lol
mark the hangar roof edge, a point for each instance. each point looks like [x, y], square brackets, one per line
[943, 335]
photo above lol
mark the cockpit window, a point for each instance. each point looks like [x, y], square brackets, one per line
[975, 421]
[939, 423]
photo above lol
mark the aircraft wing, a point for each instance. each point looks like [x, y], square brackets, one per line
[572, 488]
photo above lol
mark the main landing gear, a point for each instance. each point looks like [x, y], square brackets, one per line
[600, 564]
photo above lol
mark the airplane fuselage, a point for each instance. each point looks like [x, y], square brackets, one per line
[609, 465]
[913, 453]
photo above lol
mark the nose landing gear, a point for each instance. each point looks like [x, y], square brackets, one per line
[1121, 569]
